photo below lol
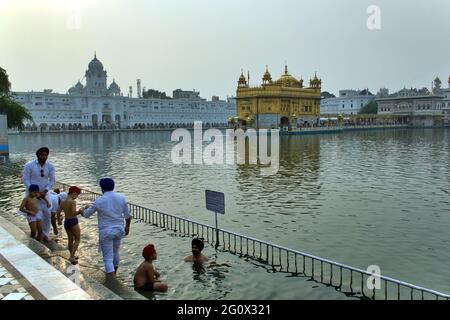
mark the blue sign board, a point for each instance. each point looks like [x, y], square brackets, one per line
[215, 201]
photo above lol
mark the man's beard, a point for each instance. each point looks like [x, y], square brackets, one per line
[195, 253]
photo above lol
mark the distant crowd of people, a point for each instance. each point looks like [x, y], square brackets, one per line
[156, 126]
[45, 207]
[114, 126]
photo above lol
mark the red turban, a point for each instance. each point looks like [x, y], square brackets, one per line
[148, 251]
[74, 189]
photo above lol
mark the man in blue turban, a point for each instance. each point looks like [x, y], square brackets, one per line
[107, 184]
[113, 223]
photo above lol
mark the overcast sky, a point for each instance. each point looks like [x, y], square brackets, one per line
[203, 44]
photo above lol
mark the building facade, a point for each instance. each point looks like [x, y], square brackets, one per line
[446, 103]
[349, 102]
[95, 105]
[422, 107]
[284, 102]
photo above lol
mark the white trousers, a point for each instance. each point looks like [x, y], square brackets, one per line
[46, 218]
[110, 240]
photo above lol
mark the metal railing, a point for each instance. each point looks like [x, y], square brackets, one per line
[344, 278]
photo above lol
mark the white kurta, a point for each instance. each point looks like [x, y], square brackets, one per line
[47, 214]
[32, 175]
[54, 201]
[112, 211]
[44, 177]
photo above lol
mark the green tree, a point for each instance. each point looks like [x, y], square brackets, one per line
[5, 85]
[15, 112]
[326, 95]
[370, 108]
[152, 93]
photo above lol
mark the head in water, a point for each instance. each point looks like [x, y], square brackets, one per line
[197, 247]
[149, 252]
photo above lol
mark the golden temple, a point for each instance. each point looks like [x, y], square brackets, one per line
[284, 102]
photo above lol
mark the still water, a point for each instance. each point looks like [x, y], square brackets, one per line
[359, 198]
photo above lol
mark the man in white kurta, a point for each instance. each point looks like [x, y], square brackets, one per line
[113, 223]
[42, 173]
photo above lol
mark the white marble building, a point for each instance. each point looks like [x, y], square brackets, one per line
[96, 104]
[416, 106]
[446, 104]
[349, 102]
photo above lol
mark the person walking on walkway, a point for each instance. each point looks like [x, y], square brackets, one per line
[41, 172]
[113, 223]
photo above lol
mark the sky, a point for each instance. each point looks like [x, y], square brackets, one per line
[204, 44]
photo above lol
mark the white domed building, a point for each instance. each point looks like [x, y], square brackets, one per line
[95, 104]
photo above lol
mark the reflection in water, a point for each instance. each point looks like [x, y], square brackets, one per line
[212, 275]
[199, 270]
[296, 185]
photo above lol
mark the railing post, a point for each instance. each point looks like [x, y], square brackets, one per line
[331, 274]
[362, 285]
[304, 265]
[295, 260]
[351, 281]
[321, 271]
[287, 261]
[240, 245]
[385, 289]
[374, 292]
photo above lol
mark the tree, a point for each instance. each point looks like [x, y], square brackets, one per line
[5, 85]
[152, 93]
[370, 108]
[15, 112]
[326, 95]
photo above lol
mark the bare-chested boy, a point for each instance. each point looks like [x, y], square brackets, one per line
[69, 206]
[30, 206]
[197, 256]
[146, 276]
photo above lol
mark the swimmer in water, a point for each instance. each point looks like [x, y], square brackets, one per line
[197, 256]
[146, 276]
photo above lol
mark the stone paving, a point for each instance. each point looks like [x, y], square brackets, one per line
[25, 273]
[10, 288]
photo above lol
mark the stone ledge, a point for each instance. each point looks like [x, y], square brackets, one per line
[48, 281]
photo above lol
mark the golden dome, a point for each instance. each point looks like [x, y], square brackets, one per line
[287, 80]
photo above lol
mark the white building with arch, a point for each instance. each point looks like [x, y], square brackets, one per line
[96, 104]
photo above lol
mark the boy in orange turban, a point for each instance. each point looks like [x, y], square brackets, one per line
[146, 276]
[71, 221]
